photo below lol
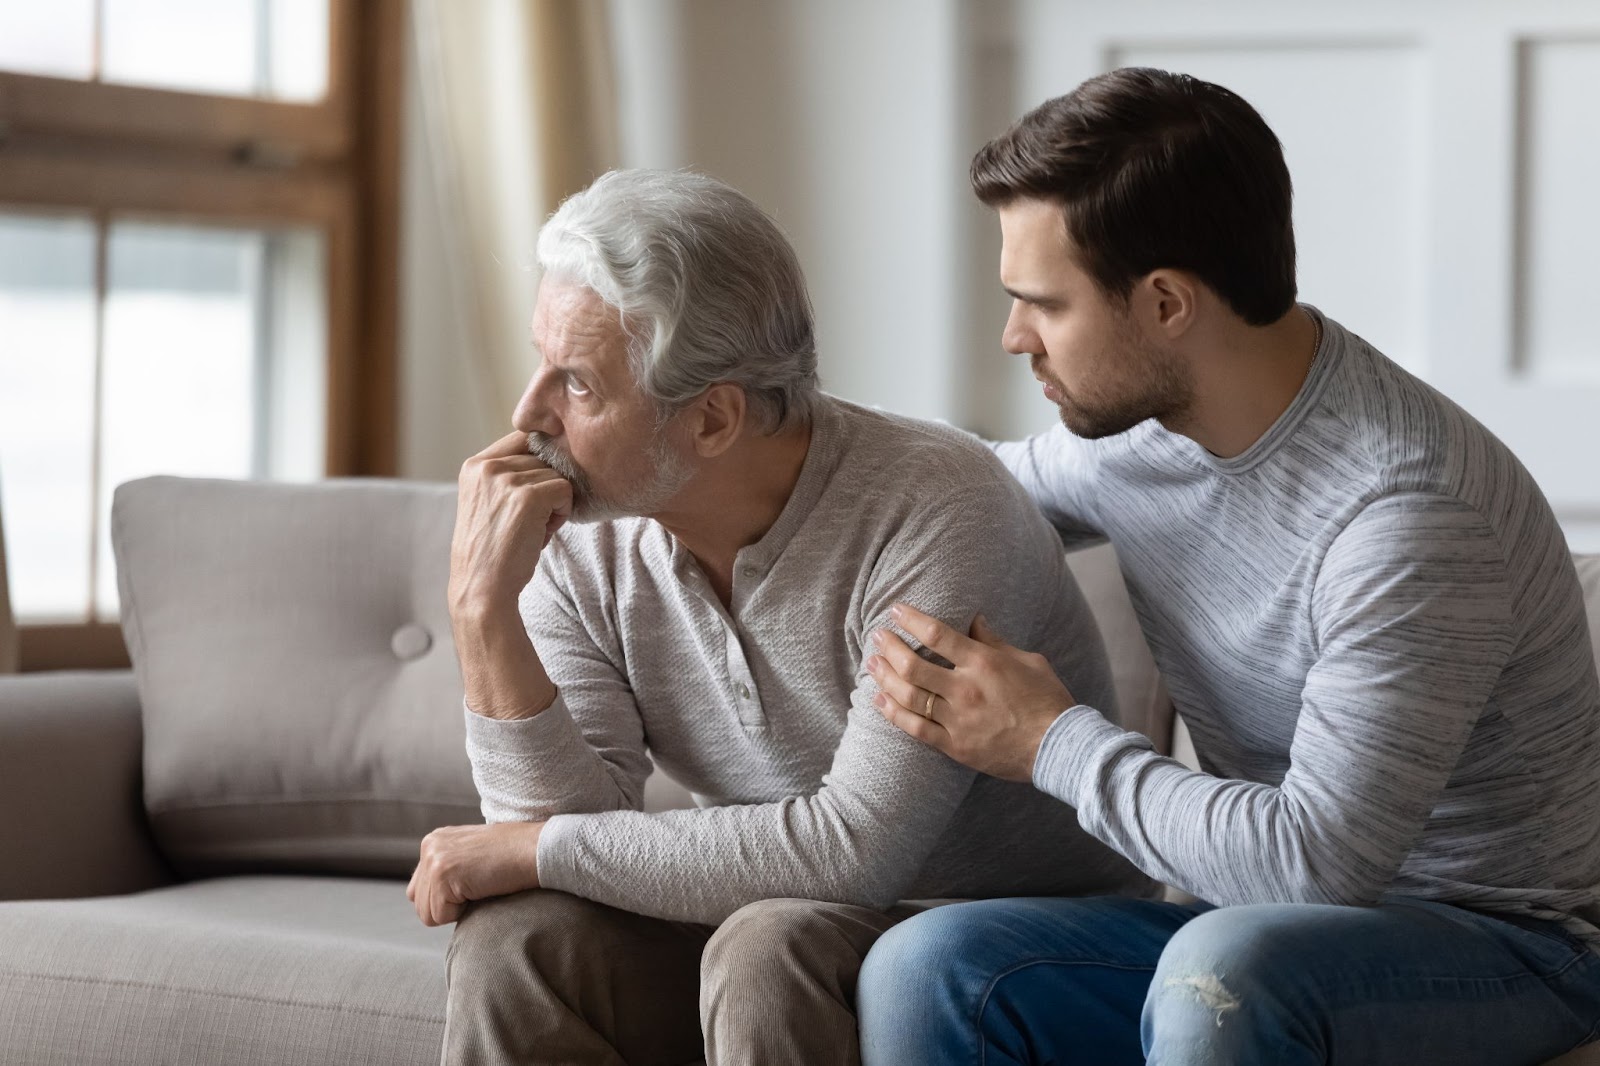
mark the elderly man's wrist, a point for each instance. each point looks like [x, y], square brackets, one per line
[537, 699]
[530, 852]
[479, 613]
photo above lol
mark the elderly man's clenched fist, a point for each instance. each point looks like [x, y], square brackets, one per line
[508, 505]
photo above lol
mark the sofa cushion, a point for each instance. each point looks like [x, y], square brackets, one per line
[299, 688]
[1142, 700]
[249, 970]
[1589, 577]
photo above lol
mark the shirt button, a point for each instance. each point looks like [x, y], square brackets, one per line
[750, 571]
[744, 691]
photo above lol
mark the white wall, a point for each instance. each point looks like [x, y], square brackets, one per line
[838, 117]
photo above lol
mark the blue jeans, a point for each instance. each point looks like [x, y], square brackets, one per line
[1107, 981]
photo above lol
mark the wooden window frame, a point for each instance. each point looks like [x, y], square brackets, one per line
[103, 149]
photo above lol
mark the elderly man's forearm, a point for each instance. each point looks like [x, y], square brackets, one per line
[500, 669]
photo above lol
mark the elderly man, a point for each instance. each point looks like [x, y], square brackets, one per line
[738, 536]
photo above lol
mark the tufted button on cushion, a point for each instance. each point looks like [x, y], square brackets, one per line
[410, 642]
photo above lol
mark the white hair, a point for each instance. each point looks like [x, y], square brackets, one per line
[708, 286]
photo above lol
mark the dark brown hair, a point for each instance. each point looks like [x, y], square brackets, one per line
[1155, 170]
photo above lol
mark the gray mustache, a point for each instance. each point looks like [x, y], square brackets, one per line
[541, 447]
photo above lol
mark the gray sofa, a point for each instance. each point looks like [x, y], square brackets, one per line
[204, 859]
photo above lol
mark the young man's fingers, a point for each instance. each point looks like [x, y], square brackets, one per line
[912, 724]
[984, 633]
[911, 667]
[933, 634]
[899, 689]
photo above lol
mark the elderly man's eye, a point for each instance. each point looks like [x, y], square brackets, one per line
[576, 386]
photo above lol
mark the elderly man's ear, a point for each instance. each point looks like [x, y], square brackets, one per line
[716, 420]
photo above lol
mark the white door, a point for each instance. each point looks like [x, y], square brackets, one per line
[1446, 163]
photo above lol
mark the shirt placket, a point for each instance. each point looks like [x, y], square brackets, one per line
[740, 680]
[746, 575]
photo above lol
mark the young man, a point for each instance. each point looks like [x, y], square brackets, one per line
[1363, 608]
[737, 536]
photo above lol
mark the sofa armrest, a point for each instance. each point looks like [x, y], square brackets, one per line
[71, 810]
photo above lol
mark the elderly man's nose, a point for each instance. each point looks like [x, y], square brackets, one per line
[534, 412]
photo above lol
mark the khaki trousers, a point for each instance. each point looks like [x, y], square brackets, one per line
[545, 977]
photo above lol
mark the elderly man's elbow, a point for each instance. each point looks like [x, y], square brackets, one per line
[877, 886]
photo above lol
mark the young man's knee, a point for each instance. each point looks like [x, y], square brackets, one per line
[1230, 960]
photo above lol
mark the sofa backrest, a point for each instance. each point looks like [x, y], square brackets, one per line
[1589, 577]
[300, 692]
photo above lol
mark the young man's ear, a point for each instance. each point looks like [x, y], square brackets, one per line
[1167, 302]
[717, 419]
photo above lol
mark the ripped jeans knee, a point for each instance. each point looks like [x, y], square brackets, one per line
[1207, 990]
[1224, 985]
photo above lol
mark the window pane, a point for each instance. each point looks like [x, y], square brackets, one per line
[201, 45]
[294, 398]
[297, 50]
[47, 412]
[54, 37]
[268, 48]
[214, 361]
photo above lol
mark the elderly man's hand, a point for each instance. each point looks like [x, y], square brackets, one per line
[461, 863]
[508, 504]
[990, 712]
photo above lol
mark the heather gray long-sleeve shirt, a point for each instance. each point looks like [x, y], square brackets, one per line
[1371, 623]
[764, 710]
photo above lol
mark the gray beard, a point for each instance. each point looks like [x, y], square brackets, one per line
[668, 474]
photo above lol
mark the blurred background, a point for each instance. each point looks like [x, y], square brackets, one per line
[293, 238]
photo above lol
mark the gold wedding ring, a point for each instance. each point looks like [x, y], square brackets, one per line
[927, 708]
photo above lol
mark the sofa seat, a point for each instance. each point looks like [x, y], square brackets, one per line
[238, 970]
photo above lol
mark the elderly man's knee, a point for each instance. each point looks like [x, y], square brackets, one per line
[759, 929]
[770, 941]
[525, 925]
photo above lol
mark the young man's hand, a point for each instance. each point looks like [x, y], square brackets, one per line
[461, 863]
[990, 712]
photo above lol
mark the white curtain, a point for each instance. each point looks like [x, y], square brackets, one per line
[8, 624]
[517, 112]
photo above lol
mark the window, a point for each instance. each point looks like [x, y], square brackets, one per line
[197, 256]
[275, 49]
